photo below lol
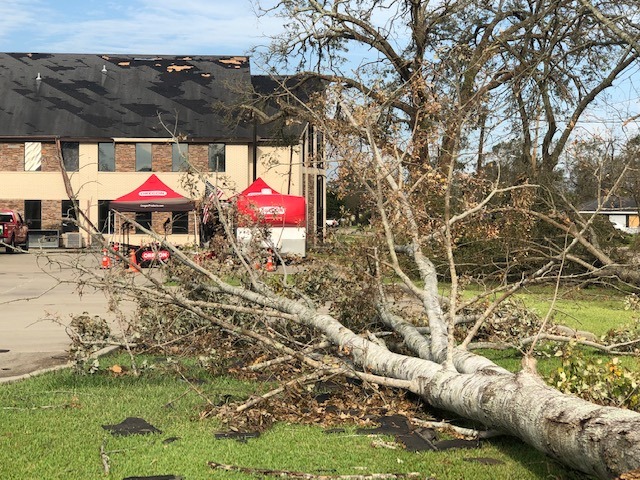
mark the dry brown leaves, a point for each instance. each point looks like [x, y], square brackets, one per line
[335, 402]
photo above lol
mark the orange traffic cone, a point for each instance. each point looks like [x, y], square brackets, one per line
[133, 262]
[270, 267]
[106, 261]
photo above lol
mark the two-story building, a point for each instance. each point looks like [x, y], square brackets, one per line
[117, 118]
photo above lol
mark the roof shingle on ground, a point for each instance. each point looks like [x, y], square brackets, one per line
[107, 96]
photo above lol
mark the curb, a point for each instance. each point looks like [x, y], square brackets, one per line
[42, 371]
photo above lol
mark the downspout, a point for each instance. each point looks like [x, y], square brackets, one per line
[290, 169]
[255, 148]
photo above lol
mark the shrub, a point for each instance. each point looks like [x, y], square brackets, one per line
[604, 383]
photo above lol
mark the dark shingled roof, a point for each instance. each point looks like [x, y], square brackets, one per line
[613, 204]
[74, 98]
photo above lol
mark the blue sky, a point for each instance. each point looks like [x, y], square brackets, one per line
[171, 27]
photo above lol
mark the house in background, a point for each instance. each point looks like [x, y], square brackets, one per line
[622, 212]
[115, 117]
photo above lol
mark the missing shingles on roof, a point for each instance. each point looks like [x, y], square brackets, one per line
[187, 58]
[205, 75]
[124, 64]
[178, 68]
[233, 62]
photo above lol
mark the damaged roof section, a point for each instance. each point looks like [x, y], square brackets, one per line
[90, 95]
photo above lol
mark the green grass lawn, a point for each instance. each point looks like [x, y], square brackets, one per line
[51, 428]
[594, 310]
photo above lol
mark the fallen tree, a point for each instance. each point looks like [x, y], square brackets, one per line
[597, 440]
[426, 209]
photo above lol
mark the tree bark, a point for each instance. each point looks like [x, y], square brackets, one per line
[601, 441]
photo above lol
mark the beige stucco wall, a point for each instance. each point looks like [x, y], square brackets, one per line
[90, 185]
[280, 167]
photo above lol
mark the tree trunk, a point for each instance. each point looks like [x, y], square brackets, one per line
[602, 441]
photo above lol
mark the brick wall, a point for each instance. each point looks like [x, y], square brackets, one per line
[157, 221]
[51, 214]
[12, 204]
[12, 157]
[199, 156]
[161, 155]
[125, 157]
[50, 161]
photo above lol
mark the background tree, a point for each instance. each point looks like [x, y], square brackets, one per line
[529, 68]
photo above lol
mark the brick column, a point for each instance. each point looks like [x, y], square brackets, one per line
[12, 157]
[125, 157]
[161, 157]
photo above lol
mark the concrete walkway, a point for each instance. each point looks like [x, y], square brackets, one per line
[35, 308]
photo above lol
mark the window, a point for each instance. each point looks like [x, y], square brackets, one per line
[68, 215]
[143, 157]
[106, 157]
[311, 139]
[217, 160]
[144, 219]
[33, 213]
[106, 219]
[71, 156]
[180, 222]
[179, 158]
[32, 156]
[319, 149]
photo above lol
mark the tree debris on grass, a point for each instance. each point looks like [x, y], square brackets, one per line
[132, 426]
[261, 472]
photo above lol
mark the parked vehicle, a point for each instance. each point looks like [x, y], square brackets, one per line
[14, 231]
[332, 222]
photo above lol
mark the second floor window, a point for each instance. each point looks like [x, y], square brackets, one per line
[106, 157]
[217, 160]
[179, 157]
[32, 156]
[143, 157]
[71, 156]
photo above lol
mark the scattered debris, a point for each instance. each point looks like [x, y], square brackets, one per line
[132, 426]
[484, 460]
[260, 472]
[155, 477]
[104, 457]
[389, 425]
[239, 436]
[456, 443]
[414, 439]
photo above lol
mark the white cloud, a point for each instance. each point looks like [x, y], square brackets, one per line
[134, 26]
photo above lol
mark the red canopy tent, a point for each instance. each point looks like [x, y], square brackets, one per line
[260, 203]
[152, 196]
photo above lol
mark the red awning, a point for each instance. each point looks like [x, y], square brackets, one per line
[259, 203]
[152, 196]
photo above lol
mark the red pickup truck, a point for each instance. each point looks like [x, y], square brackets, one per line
[14, 232]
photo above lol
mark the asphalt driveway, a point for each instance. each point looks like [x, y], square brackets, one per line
[35, 307]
